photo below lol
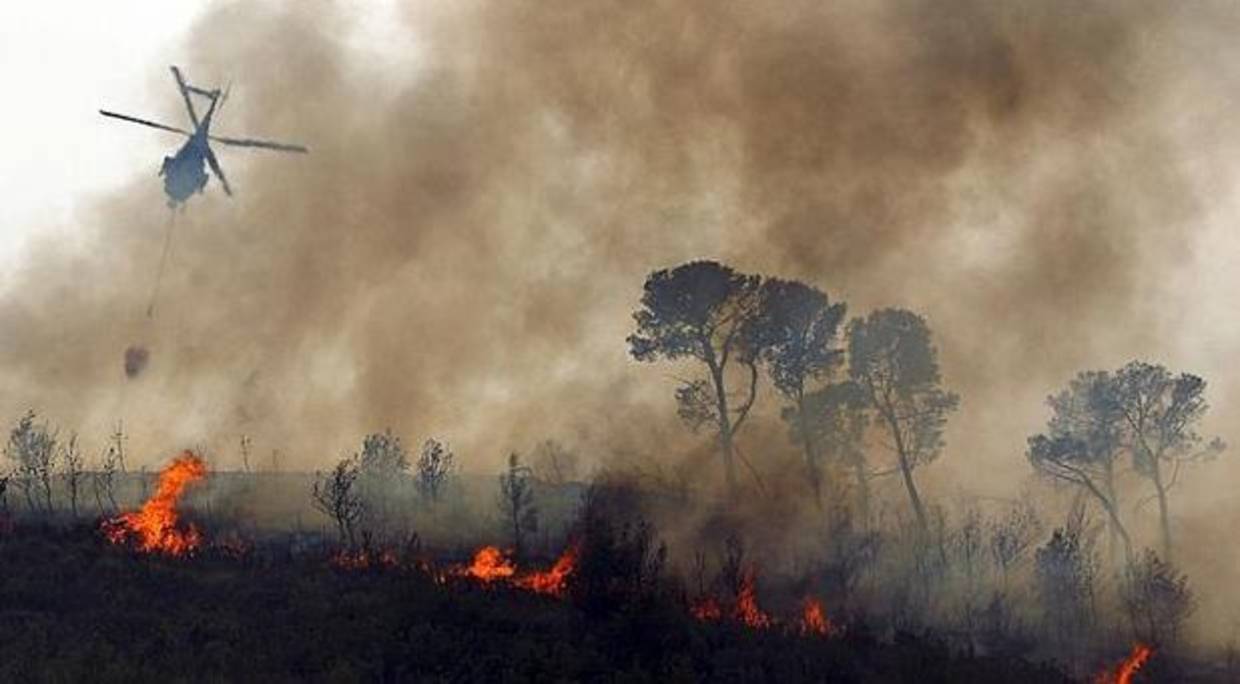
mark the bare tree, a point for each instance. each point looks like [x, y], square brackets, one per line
[516, 502]
[893, 362]
[118, 442]
[32, 450]
[334, 494]
[1012, 536]
[72, 471]
[434, 468]
[103, 480]
[245, 444]
[1161, 412]
[703, 310]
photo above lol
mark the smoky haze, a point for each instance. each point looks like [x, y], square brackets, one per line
[460, 253]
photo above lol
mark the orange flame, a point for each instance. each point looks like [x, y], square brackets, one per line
[747, 610]
[814, 618]
[706, 609]
[154, 526]
[554, 581]
[490, 565]
[1127, 669]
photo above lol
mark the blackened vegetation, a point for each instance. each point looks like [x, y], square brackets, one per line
[76, 610]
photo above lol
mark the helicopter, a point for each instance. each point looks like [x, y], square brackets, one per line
[183, 172]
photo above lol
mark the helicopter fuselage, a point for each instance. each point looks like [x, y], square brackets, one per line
[185, 173]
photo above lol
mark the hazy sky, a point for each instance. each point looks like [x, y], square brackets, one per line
[61, 163]
[60, 62]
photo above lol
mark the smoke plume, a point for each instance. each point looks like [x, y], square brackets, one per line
[487, 188]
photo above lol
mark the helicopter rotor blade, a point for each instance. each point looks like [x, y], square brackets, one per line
[144, 122]
[265, 144]
[219, 173]
[184, 88]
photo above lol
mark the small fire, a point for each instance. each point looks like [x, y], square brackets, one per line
[1127, 669]
[554, 581]
[364, 559]
[747, 610]
[814, 618]
[490, 565]
[154, 526]
[706, 609]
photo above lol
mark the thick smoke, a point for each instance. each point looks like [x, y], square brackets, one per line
[460, 253]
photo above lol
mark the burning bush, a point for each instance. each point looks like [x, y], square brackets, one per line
[153, 528]
[490, 564]
[1124, 673]
[553, 582]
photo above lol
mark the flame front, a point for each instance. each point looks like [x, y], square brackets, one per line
[554, 581]
[154, 526]
[747, 610]
[490, 565]
[814, 618]
[1127, 669]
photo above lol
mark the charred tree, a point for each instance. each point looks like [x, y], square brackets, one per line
[516, 502]
[72, 471]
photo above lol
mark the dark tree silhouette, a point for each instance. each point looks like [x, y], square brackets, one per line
[1161, 412]
[703, 310]
[797, 327]
[72, 471]
[1158, 600]
[893, 362]
[516, 502]
[1065, 573]
[835, 418]
[433, 470]
[336, 496]
[1082, 445]
[383, 464]
[32, 448]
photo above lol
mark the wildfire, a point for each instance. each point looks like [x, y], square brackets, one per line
[706, 609]
[1127, 669]
[363, 559]
[814, 618]
[554, 581]
[490, 565]
[747, 610]
[154, 526]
